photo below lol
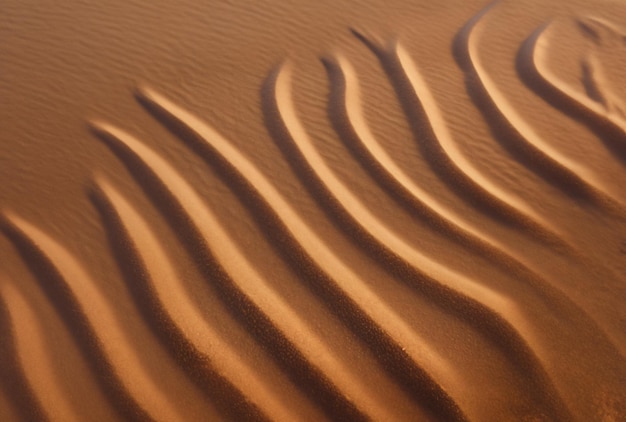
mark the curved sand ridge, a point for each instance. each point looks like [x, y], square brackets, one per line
[521, 138]
[560, 356]
[608, 126]
[17, 386]
[600, 116]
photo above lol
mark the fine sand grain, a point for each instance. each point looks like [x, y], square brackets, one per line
[379, 210]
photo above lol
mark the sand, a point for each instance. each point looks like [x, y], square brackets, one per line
[306, 211]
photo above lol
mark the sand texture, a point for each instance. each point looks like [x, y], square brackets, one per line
[305, 211]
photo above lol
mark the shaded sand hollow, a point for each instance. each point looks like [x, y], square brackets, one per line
[305, 211]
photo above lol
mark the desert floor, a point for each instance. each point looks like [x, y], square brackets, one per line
[383, 210]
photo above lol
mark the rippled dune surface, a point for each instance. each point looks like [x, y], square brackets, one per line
[376, 211]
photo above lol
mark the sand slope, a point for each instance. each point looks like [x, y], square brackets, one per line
[396, 212]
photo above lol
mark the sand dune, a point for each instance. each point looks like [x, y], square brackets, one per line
[399, 234]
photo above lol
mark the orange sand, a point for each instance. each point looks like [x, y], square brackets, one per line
[379, 210]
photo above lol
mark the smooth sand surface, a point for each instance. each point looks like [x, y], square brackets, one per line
[306, 211]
